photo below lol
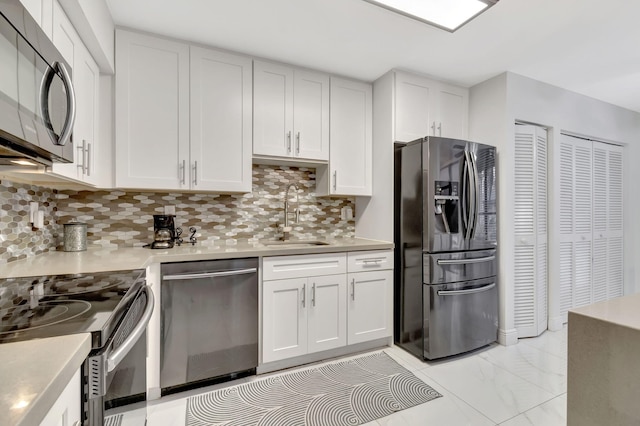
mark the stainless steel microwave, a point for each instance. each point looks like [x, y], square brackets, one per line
[37, 103]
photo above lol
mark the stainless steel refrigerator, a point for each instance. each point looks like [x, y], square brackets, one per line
[446, 293]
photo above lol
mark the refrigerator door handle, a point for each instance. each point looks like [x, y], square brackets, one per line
[464, 261]
[475, 190]
[464, 191]
[463, 292]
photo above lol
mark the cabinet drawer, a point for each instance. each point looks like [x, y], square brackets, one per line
[371, 260]
[307, 265]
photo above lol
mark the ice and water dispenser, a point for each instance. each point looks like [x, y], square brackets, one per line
[446, 206]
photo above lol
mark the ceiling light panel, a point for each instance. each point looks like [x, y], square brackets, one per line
[447, 14]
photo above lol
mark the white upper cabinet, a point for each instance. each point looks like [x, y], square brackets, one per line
[291, 112]
[426, 107]
[86, 80]
[350, 164]
[183, 116]
[152, 112]
[220, 148]
[42, 12]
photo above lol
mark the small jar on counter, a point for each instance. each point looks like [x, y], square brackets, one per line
[75, 236]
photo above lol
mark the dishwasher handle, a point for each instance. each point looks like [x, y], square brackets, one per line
[210, 274]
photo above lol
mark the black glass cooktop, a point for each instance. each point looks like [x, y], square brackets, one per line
[55, 305]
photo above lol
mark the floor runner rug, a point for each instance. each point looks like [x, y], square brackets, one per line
[348, 393]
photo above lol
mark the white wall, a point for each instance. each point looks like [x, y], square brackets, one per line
[374, 215]
[496, 104]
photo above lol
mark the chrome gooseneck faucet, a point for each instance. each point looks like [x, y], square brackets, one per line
[296, 212]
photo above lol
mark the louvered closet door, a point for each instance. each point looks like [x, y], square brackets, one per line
[530, 229]
[615, 229]
[578, 167]
[607, 222]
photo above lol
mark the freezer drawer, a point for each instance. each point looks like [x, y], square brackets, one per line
[440, 268]
[459, 317]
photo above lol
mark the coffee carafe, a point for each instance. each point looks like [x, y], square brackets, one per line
[164, 231]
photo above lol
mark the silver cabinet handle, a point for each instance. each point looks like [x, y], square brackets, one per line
[84, 156]
[335, 180]
[181, 171]
[463, 261]
[195, 173]
[470, 291]
[298, 143]
[289, 141]
[210, 274]
[353, 289]
[304, 295]
[440, 129]
[88, 158]
[116, 356]
[313, 294]
[80, 157]
[374, 262]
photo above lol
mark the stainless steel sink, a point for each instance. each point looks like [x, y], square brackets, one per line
[295, 243]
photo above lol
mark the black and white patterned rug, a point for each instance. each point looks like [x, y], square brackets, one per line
[346, 393]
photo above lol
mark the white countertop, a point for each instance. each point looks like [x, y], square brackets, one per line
[35, 372]
[114, 259]
[623, 311]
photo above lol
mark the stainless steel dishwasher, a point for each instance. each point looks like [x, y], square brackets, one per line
[209, 322]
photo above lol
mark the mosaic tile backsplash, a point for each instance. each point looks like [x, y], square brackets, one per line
[18, 239]
[125, 219]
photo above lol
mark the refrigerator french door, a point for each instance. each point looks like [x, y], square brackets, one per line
[445, 238]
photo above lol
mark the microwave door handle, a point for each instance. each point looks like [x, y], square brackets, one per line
[118, 355]
[45, 87]
[65, 134]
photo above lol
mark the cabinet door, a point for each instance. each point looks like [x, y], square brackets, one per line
[452, 110]
[87, 84]
[42, 12]
[66, 410]
[67, 41]
[327, 312]
[370, 311]
[350, 135]
[220, 121]
[413, 101]
[272, 109]
[152, 112]
[284, 319]
[311, 115]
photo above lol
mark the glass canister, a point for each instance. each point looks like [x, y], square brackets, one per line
[75, 236]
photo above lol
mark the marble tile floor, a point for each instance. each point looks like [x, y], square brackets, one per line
[520, 385]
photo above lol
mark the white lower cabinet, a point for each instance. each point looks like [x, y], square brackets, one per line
[304, 314]
[370, 281]
[313, 303]
[66, 411]
[370, 304]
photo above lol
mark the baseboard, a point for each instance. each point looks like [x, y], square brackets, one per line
[556, 323]
[153, 393]
[508, 337]
[321, 356]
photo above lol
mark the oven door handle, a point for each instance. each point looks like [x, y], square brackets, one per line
[116, 356]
